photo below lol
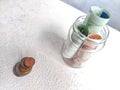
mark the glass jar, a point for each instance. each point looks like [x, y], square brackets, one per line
[80, 43]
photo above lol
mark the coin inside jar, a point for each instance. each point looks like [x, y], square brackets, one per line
[89, 45]
[95, 36]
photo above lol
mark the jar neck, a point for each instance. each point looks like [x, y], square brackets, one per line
[104, 33]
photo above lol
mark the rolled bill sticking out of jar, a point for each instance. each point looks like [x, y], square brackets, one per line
[97, 18]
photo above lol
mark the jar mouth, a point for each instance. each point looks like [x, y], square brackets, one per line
[104, 32]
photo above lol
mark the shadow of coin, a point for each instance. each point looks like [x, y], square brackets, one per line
[16, 70]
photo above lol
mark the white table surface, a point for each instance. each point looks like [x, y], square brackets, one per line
[38, 28]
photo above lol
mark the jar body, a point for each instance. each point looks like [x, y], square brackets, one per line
[79, 46]
[73, 52]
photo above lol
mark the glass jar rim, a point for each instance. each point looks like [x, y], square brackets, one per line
[80, 20]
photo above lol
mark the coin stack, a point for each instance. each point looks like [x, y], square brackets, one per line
[24, 67]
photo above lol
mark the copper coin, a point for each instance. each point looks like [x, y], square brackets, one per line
[24, 69]
[95, 36]
[28, 62]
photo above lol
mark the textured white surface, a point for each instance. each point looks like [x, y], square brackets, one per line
[38, 28]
